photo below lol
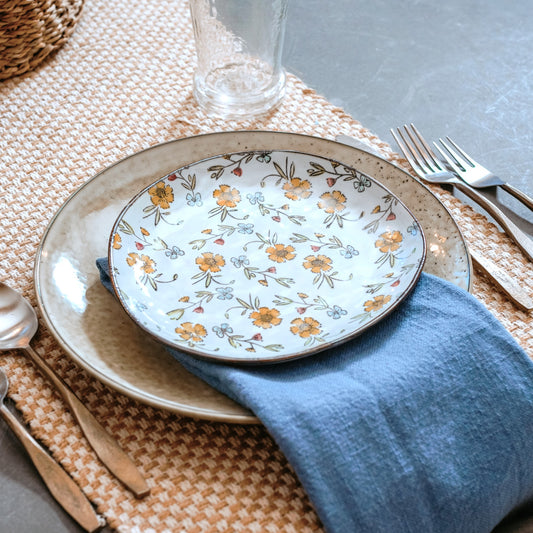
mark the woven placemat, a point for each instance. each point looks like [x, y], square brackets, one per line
[122, 83]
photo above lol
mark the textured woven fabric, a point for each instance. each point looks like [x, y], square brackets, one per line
[122, 83]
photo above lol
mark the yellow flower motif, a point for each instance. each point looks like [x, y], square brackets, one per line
[145, 232]
[263, 282]
[147, 265]
[331, 202]
[376, 209]
[265, 317]
[377, 303]
[191, 332]
[206, 230]
[317, 263]
[161, 195]
[209, 261]
[305, 327]
[280, 253]
[184, 299]
[227, 197]
[389, 241]
[297, 189]
[117, 242]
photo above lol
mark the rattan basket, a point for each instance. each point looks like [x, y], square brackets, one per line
[30, 30]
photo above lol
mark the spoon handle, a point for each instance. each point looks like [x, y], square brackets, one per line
[60, 484]
[104, 445]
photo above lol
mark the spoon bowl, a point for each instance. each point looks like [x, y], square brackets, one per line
[18, 321]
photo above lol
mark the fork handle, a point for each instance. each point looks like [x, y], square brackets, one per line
[518, 194]
[519, 237]
[61, 486]
[104, 445]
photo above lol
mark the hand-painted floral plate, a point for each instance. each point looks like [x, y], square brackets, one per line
[259, 257]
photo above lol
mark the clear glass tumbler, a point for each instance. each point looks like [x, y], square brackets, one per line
[239, 45]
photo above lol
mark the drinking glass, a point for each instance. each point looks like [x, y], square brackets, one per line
[239, 45]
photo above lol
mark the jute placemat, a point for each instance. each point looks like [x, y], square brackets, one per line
[121, 84]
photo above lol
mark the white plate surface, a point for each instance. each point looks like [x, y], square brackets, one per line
[262, 257]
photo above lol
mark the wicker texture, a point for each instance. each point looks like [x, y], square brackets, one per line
[31, 30]
[122, 83]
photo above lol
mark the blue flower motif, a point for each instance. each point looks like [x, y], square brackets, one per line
[222, 330]
[174, 252]
[139, 306]
[336, 312]
[256, 197]
[245, 228]
[349, 252]
[264, 157]
[225, 293]
[194, 199]
[240, 261]
[412, 230]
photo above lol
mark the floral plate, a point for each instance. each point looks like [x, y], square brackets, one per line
[261, 257]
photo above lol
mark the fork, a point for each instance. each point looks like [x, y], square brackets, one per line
[478, 176]
[428, 167]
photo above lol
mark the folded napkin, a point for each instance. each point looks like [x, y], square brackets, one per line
[422, 423]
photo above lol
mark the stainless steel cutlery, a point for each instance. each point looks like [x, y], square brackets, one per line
[475, 174]
[18, 324]
[430, 168]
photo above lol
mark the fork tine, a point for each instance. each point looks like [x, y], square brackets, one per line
[408, 151]
[466, 157]
[426, 146]
[419, 147]
[447, 158]
[459, 161]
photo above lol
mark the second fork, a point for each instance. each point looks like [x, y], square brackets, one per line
[428, 167]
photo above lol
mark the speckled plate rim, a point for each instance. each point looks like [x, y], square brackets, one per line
[286, 355]
[448, 262]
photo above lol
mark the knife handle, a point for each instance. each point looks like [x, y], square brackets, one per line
[519, 237]
[503, 280]
[59, 483]
[518, 194]
[104, 445]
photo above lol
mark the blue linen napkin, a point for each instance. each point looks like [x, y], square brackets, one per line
[422, 423]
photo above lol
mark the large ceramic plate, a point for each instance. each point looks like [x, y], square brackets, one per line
[262, 257]
[88, 321]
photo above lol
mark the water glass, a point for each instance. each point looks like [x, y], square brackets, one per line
[239, 45]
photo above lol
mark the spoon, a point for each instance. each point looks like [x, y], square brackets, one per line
[60, 484]
[18, 324]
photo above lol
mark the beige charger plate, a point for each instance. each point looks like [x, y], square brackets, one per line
[90, 324]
